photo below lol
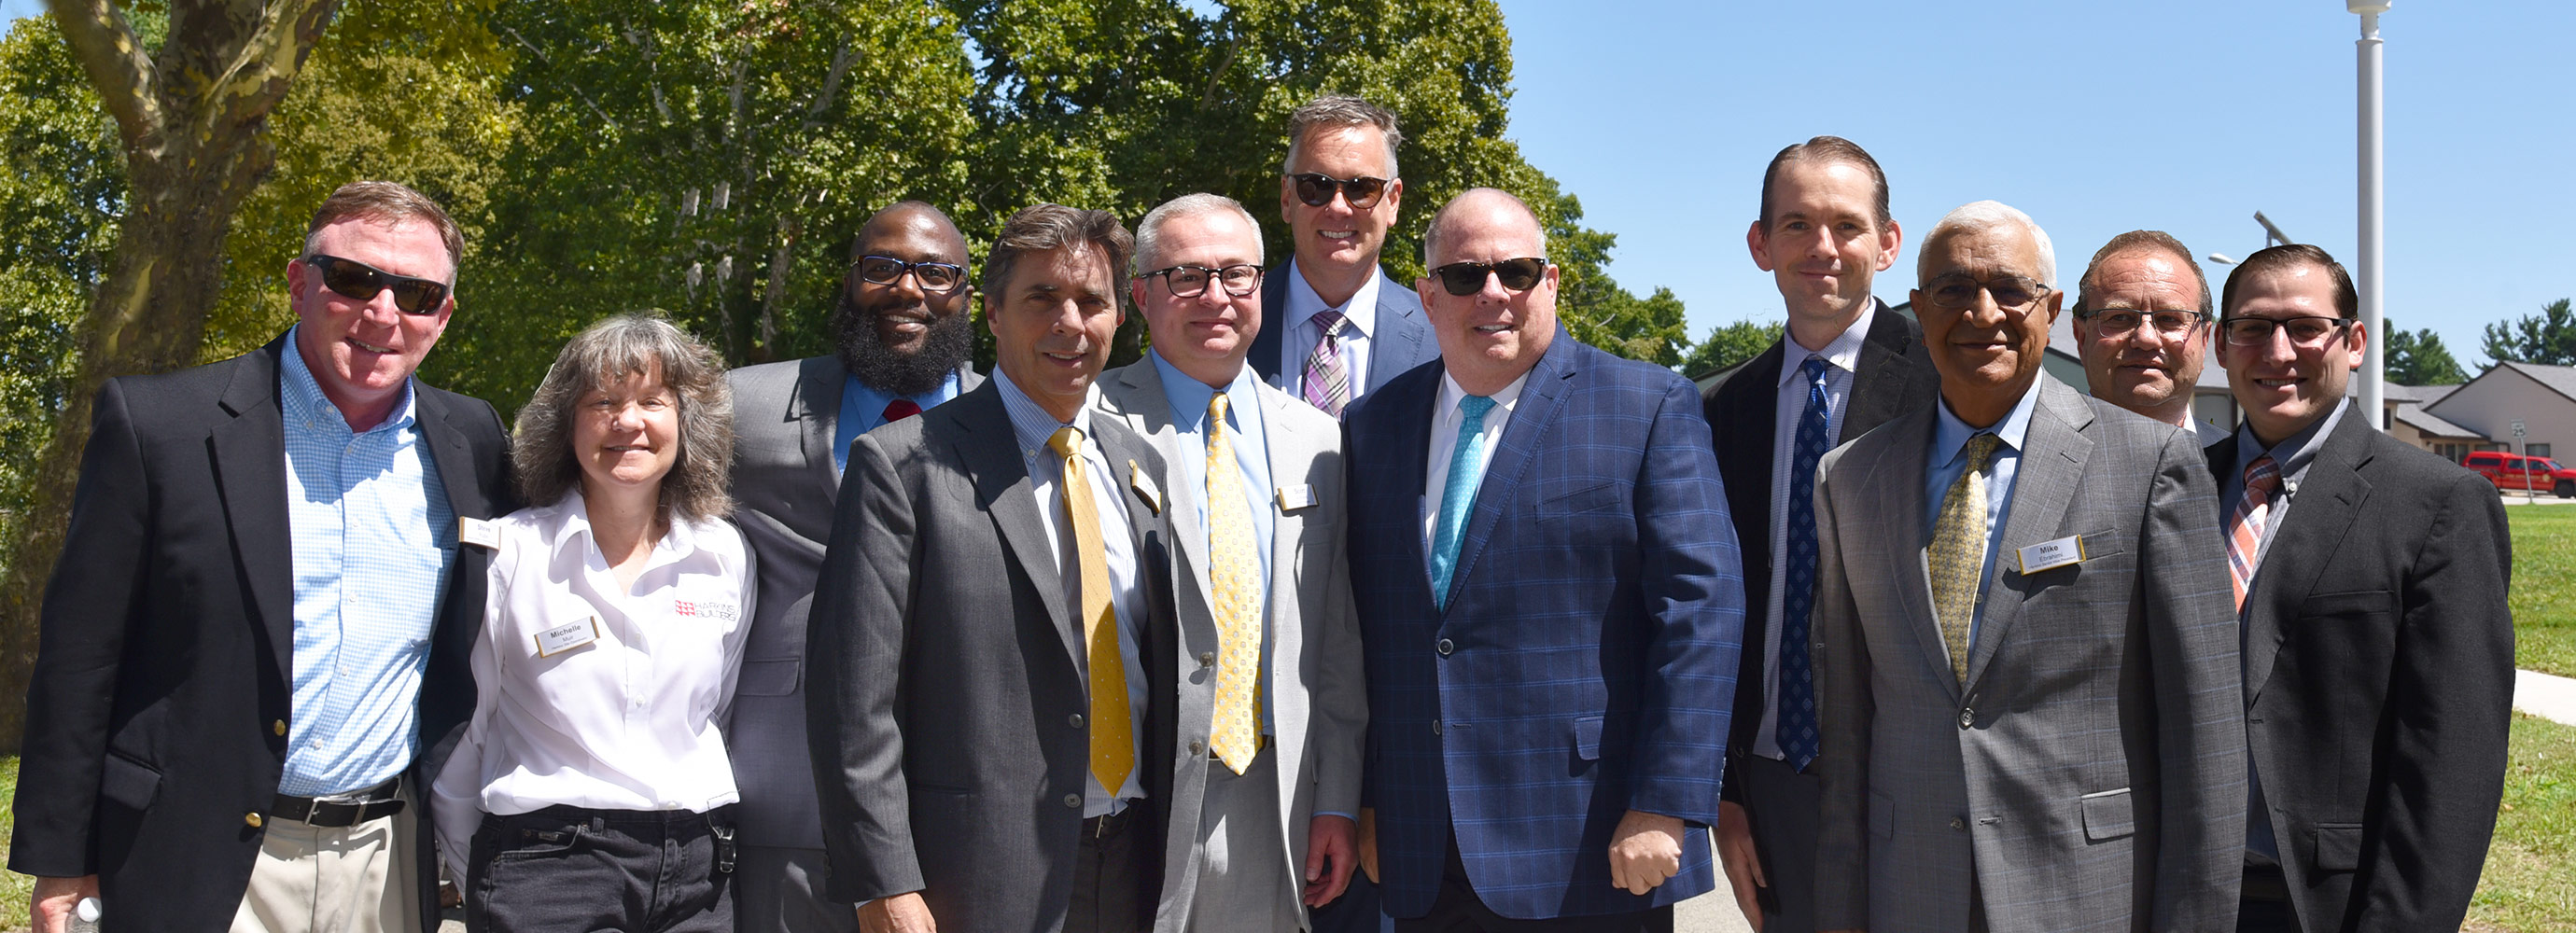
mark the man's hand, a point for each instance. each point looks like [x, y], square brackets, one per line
[1368, 842]
[902, 913]
[1645, 850]
[1332, 850]
[1743, 863]
[49, 909]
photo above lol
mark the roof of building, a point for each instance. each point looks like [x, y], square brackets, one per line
[2414, 416]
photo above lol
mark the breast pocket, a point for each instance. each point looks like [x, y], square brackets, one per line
[1604, 498]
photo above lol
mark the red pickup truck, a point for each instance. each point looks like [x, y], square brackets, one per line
[2516, 472]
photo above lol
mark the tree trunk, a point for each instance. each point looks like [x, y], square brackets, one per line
[191, 120]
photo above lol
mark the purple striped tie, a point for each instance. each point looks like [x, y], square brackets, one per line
[1328, 386]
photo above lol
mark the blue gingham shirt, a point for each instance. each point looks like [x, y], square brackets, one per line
[372, 538]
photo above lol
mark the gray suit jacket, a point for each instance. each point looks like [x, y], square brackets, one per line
[784, 485]
[1317, 694]
[2089, 775]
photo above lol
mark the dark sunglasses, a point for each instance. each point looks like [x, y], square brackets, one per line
[1467, 278]
[933, 276]
[358, 281]
[1317, 190]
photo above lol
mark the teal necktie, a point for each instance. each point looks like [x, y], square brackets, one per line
[1458, 497]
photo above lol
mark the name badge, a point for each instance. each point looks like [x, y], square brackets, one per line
[567, 636]
[478, 532]
[1144, 487]
[2049, 555]
[1292, 498]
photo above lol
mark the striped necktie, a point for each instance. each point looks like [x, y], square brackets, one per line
[1328, 383]
[2245, 525]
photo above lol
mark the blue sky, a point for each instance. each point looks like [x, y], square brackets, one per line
[2185, 116]
[2096, 118]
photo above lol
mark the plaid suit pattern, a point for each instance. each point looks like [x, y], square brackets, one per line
[1586, 662]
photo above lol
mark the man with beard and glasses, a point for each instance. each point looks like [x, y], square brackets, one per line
[903, 338]
[2142, 325]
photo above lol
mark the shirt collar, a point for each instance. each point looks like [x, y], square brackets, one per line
[1843, 352]
[565, 525]
[1304, 304]
[304, 401]
[1451, 394]
[1950, 435]
[2292, 454]
[1031, 424]
[1189, 397]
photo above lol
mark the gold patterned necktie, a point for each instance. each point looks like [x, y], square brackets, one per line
[1113, 748]
[1958, 556]
[1234, 581]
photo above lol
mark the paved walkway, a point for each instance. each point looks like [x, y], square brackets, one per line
[2545, 695]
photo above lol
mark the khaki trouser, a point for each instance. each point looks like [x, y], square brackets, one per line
[356, 879]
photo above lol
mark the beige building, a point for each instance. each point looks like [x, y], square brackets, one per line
[2542, 398]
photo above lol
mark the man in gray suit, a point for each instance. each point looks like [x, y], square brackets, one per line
[992, 640]
[903, 337]
[1272, 706]
[1340, 326]
[2028, 658]
[2142, 325]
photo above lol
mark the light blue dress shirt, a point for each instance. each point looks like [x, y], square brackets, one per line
[863, 410]
[1949, 457]
[372, 539]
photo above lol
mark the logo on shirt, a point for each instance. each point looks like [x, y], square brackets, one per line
[699, 610]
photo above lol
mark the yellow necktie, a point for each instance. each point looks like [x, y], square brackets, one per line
[1113, 748]
[1959, 552]
[1235, 581]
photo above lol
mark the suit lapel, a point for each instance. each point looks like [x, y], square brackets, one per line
[1539, 401]
[1137, 397]
[1292, 459]
[2053, 454]
[816, 407]
[2323, 509]
[453, 455]
[1274, 315]
[1878, 387]
[250, 475]
[1400, 329]
[991, 453]
[1894, 490]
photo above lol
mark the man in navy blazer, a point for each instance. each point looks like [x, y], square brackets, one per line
[1551, 606]
[1340, 327]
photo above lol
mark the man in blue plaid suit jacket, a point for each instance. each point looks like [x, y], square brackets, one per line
[1551, 604]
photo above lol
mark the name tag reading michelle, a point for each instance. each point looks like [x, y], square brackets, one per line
[1292, 498]
[2050, 555]
[478, 532]
[1145, 488]
[567, 636]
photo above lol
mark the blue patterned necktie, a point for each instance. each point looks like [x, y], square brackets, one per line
[1797, 726]
[1458, 496]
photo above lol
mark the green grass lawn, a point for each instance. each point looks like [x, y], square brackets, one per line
[2544, 588]
[2527, 886]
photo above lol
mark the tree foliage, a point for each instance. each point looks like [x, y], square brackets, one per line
[2417, 358]
[1729, 345]
[2548, 338]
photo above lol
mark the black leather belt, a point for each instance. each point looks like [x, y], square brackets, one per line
[379, 802]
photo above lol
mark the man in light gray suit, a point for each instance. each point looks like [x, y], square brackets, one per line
[2029, 670]
[1272, 705]
[903, 337]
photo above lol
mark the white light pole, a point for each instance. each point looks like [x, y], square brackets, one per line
[2369, 265]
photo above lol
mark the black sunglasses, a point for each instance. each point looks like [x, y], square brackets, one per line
[1317, 190]
[933, 276]
[358, 281]
[1467, 278]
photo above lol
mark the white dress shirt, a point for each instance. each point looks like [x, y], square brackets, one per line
[1302, 333]
[1446, 416]
[627, 719]
[1843, 355]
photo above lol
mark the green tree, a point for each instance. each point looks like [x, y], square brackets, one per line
[2417, 358]
[2548, 338]
[1729, 345]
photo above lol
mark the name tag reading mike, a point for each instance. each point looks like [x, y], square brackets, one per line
[2050, 555]
[567, 637]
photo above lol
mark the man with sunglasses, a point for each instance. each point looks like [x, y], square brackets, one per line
[1267, 782]
[2142, 324]
[1341, 327]
[1845, 364]
[1550, 602]
[904, 340]
[2027, 667]
[255, 641]
[2370, 581]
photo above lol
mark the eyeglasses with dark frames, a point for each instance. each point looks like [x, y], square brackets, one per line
[1316, 190]
[1238, 280]
[2308, 332]
[1467, 278]
[933, 276]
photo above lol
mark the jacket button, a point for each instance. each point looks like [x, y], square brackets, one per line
[1197, 747]
[252, 819]
[1958, 823]
[1967, 718]
[1073, 800]
[1435, 727]
[1207, 659]
[1074, 720]
[1446, 647]
[279, 727]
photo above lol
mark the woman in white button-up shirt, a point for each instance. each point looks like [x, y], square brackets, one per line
[591, 790]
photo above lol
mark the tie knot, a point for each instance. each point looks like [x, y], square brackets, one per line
[2263, 474]
[1331, 322]
[1216, 409]
[1980, 449]
[1066, 442]
[1814, 367]
[1475, 407]
[900, 409]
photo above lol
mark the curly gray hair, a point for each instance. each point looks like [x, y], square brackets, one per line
[603, 356]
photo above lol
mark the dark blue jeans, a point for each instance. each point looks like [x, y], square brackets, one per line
[569, 868]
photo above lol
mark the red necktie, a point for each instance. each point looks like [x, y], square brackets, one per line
[900, 409]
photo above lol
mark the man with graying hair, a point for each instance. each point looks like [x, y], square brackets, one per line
[2142, 324]
[2028, 660]
[1272, 712]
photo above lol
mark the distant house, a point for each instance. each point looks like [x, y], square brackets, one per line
[2408, 420]
[2543, 398]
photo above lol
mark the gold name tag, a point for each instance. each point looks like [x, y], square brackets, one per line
[567, 637]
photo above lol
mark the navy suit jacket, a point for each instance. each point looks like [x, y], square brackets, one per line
[1401, 341]
[1587, 660]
